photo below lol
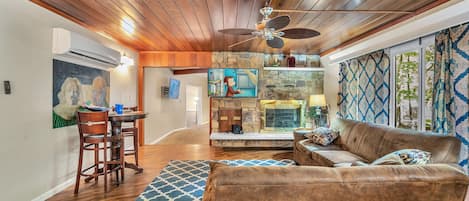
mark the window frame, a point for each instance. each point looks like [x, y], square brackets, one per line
[419, 44]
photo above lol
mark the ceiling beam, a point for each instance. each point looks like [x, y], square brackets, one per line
[385, 26]
[190, 71]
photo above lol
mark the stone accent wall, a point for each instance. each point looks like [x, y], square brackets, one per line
[273, 85]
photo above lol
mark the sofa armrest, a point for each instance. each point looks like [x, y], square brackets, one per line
[429, 182]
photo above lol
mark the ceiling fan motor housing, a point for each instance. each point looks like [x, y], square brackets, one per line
[266, 11]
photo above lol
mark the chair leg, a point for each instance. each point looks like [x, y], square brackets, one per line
[136, 146]
[96, 162]
[122, 157]
[80, 162]
[105, 167]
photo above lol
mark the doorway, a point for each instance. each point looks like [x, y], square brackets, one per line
[193, 106]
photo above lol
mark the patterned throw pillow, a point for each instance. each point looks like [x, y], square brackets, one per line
[389, 159]
[322, 136]
[413, 156]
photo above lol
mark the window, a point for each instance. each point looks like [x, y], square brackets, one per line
[412, 78]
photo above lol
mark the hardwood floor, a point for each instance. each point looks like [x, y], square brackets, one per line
[153, 159]
[196, 135]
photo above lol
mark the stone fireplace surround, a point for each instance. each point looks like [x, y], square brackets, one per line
[273, 85]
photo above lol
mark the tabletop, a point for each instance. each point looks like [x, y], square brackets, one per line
[127, 116]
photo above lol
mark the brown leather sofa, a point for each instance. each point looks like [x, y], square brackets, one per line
[442, 180]
[367, 142]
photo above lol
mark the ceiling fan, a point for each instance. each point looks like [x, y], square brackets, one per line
[271, 30]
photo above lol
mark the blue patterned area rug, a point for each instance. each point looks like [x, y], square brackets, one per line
[185, 180]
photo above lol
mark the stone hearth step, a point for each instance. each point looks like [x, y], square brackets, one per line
[278, 140]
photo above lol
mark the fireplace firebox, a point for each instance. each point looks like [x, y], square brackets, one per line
[282, 115]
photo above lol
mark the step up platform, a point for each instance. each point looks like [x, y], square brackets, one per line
[274, 140]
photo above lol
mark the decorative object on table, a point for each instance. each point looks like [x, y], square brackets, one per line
[95, 108]
[232, 82]
[74, 86]
[316, 102]
[119, 108]
[322, 136]
[185, 180]
[300, 60]
[291, 61]
[174, 86]
[237, 129]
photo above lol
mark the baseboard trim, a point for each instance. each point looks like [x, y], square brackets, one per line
[48, 194]
[166, 135]
[203, 123]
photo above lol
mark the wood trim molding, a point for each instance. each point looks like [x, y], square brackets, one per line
[384, 26]
[140, 95]
[175, 59]
[190, 71]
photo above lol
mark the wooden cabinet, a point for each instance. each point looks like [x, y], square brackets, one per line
[227, 118]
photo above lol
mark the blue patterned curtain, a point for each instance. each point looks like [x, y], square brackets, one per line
[450, 98]
[364, 88]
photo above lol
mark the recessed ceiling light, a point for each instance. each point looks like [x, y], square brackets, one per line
[128, 25]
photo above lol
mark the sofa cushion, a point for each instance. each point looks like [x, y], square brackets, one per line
[331, 157]
[307, 146]
[372, 141]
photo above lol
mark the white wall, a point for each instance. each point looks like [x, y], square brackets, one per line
[331, 86]
[166, 115]
[36, 158]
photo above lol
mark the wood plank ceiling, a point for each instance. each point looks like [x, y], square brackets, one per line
[191, 25]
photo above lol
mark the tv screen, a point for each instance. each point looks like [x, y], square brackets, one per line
[174, 88]
[233, 82]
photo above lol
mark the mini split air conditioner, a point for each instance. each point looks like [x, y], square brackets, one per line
[72, 47]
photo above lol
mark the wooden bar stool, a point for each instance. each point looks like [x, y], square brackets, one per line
[131, 131]
[92, 127]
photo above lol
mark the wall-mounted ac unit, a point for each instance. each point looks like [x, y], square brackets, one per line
[72, 46]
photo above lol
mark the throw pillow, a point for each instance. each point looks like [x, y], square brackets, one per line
[360, 163]
[322, 136]
[413, 156]
[389, 159]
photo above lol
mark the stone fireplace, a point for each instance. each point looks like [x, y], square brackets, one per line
[282, 115]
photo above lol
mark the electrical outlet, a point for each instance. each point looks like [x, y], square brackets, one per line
[7, 87]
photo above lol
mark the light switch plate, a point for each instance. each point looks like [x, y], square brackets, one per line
[7, 87]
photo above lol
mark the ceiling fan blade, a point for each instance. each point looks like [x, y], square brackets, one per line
[237, 31]
[299, 33]
[278, 22]
[243, 41]
[275, 43]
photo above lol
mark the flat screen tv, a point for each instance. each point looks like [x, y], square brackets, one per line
[233, 82]
[174, 88]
